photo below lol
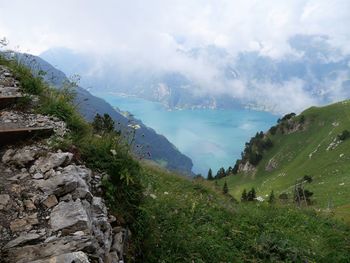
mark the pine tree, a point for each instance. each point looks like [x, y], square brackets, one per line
[225, 188]
[210, 175]
[103, 124]
[108, 123]
[221, 173]
[244, 196]
[271, 198]
[97, 123]
[251, 196]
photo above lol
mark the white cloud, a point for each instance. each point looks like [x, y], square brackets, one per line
[145, 26]
[149, 34]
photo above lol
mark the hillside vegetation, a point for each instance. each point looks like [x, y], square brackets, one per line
[175, 219]
[192, 221]
[311, 144]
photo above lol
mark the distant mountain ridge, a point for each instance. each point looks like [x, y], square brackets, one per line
[159, 148]
[313, 73]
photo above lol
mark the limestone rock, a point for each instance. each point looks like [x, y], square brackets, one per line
[29, 205]
[76, 257]
[70, 180]
[4, 199]
[22, 156]
[53, 160]
[246, 168]
[51, 201]
[20, 225]
[38, 176]
[70, 217]
[22, 239]
[7, 157]
[41, 251]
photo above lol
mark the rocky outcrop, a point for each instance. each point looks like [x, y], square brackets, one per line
[54, 217]
[271, 165]
[246, 168]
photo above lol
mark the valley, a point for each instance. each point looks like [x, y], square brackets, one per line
[212, 138]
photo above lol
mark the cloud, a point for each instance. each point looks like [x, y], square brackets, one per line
[141, 27]
[156, 35]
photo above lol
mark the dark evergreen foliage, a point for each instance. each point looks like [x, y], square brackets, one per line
[244, 196]
[307, 178]
[344, 135]
[271, 198]
[210, 175]
[283, 196]
[103, 124]
[302, 194]
[225, 188]
[251, 196]
[221, 173]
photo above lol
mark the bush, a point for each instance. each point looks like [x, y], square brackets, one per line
[344, 135]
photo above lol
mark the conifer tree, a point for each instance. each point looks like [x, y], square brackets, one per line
[108, 123]
[225, 188]
[210, 175]
[251, 196]
[244, 196]
[271, 198]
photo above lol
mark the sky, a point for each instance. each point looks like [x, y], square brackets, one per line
[139, 26]
[149, 34]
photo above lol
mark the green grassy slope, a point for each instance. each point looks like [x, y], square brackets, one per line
[191, 221]
[305, 153]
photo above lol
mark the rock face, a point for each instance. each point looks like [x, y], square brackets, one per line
[246, 168]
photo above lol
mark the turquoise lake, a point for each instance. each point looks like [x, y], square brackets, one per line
[211, 138]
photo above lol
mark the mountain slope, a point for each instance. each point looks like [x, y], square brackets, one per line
[192, 221]
[158, 147]
[312, 150]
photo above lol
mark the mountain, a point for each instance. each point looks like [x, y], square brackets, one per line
[155, 146]
[312, 144]
[314, 71]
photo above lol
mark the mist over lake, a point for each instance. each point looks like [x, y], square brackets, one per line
[211, 138]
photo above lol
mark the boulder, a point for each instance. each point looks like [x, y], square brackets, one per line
[70, 217]
[71, 180]
[20, 157]
[53, 160]
[44, 251]
[22, 239]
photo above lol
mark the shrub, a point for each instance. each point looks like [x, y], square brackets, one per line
[344, 135]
